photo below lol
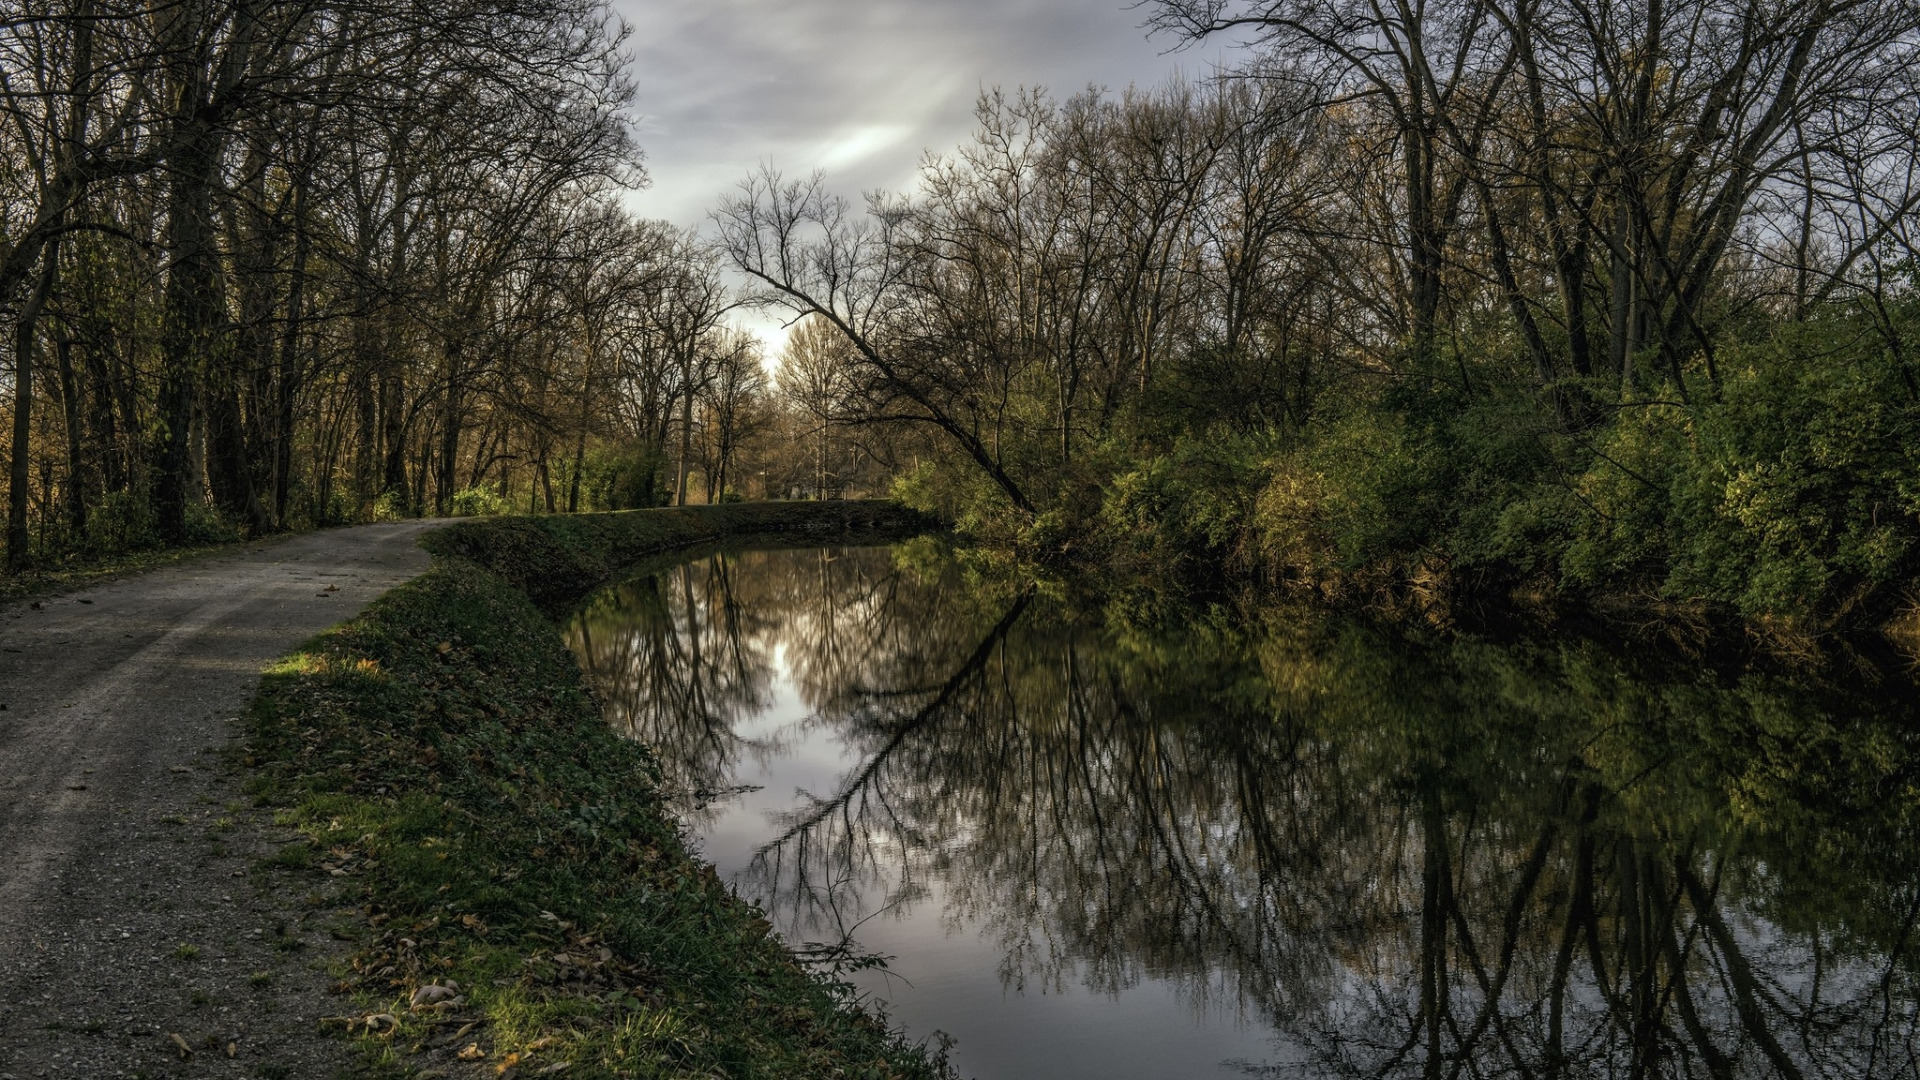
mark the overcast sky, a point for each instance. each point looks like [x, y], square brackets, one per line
[858, 88]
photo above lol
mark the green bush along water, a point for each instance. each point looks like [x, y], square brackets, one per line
[1785, 483]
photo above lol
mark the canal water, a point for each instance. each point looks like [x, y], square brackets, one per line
[1127, 841]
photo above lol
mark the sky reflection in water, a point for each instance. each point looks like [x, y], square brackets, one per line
[1274, 844]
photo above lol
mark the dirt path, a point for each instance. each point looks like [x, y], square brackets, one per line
[127, 912]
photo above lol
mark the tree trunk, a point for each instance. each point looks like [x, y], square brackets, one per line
[445, 476]
[191, 319]
[579, 464]
[393, 419]
[686, 442]
[76, 460]
[100, 420]
[1620, 301]
[286, 385]
[18, 475]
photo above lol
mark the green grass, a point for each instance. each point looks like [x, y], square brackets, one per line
[502, 838]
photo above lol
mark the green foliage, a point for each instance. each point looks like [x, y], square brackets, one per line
[392, 506]
[1796, 491]
[1792, 487]
[625, 477]
[1196, 500]
[207, 525]
[1802, 490]
[957, 492]
[122, 522]
[480, 501]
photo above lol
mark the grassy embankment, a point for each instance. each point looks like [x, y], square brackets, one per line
[450, 770]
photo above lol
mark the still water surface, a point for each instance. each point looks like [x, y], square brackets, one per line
[1093, 844]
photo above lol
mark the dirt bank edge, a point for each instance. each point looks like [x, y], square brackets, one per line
[446, 765]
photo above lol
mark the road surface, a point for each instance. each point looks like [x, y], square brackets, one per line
[128, 916]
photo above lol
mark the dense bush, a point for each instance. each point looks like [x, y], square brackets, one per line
[1789, 485]
[1796, 491]
[479, 501]
[626, 477]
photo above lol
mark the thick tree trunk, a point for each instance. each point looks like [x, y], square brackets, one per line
[393, 417]
[18, 475]
[230, 471]
[191, 319]
[367, 465]
[450, 424]
[101, 424]
[686, 445]
[76, 457]
[1620, 345]
[287, 381]
[579, 466]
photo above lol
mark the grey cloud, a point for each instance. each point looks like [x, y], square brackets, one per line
[861, 89]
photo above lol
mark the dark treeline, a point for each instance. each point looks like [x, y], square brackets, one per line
[273, 265]
[1484, 293]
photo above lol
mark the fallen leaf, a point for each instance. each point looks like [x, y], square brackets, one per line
[333, 588]
[471, 1053]
[186, 1052]
[233, 1049]
[444, 648]
[431, 994]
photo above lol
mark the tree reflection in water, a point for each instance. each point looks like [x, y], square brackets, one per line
[1435, 858]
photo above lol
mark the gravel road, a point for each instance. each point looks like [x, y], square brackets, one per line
[134, 940]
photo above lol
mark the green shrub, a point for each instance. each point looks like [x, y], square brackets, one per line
[956, 491]
[1800, 492]
[392, 506]
[1793, 491]
[479, 502]
[207, 525]
[623, 477]
[1197, 500]
[122, 522]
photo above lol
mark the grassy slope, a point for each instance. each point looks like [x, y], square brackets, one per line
[442, 752]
